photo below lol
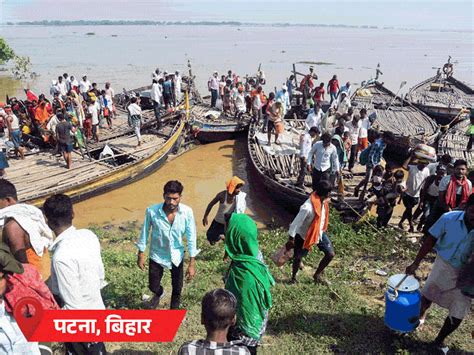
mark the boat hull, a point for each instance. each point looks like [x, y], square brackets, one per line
[119, 177]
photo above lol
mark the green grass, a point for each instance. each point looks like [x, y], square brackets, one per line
[305, 318]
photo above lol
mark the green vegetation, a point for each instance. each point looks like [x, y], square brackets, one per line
[347, 316]
[6, 52]
[22, 64]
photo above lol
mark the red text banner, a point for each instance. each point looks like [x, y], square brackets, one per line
[97, 325]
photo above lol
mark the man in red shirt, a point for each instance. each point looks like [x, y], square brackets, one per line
[319, 93]
[333, 88]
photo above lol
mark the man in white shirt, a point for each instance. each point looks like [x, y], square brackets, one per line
[61, 86]
[364, 130]
[314, 118]
[77, 271]
[177, 86]
[213, 86]
[84, 87]
[156, 96]
[354, 128]
[417, 175]
[109, 96]
[309, 228]
[323, 160]
[306, 142]
[93, 110]
[344, 104]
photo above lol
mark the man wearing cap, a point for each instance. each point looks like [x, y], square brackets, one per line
[232, 199]
[213, 86]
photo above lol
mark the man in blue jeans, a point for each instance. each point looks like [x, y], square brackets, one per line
[213, 85]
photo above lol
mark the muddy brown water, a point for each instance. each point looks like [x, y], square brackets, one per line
[203, 172]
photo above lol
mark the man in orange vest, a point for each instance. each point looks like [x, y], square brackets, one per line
[309, 228]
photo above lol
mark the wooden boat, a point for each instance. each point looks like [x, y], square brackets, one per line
[279, 173]
[442, 96]
[395, 114]
[454, 142]
[44, 174]
[213, 126]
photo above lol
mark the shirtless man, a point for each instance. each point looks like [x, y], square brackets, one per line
[16, 237]
[230, 200]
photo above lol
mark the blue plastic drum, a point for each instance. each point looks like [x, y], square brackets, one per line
[402, 306]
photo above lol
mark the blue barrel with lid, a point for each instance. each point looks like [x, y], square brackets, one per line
[402, 303]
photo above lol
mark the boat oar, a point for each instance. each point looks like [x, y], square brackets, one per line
[402, 84]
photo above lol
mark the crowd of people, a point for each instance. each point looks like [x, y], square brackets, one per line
[75, 109]
[47, 256]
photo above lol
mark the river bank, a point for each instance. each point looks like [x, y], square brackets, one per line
[345, 317]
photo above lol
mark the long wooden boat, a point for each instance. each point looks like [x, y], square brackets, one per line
[41, 175]
[208, 128]
[395, 114]
[278, 173]
[454, 142]
[442, 97]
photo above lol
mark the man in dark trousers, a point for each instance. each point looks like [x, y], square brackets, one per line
[309, 228]
[168, 222]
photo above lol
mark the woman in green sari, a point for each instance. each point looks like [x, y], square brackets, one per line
[248, 279]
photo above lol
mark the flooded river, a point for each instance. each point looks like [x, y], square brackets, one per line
[203, 172]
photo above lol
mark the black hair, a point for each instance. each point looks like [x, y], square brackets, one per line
[446, 159]
[133, 100]
[7, 189]
[460, 162]
[326, 137]
[218, 310]
[314, 129]
[65, 75]
[173, 187]
[388, 136]
[58, 210]
[271, 96]
[363, 111]
[323, 188]
[94, 84]
[339, 131]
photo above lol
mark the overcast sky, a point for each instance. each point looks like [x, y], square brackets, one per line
[423, 14]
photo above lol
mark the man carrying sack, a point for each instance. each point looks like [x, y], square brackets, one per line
[309, 228]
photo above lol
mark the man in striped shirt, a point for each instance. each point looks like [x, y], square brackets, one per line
[218, 314]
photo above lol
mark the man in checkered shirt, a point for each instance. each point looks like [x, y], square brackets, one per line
[218, 314]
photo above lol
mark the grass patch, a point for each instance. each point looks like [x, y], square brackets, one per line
[305, 318]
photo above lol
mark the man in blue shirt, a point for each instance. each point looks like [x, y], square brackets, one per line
[374, 158]
[169, 222]
[452, 236]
